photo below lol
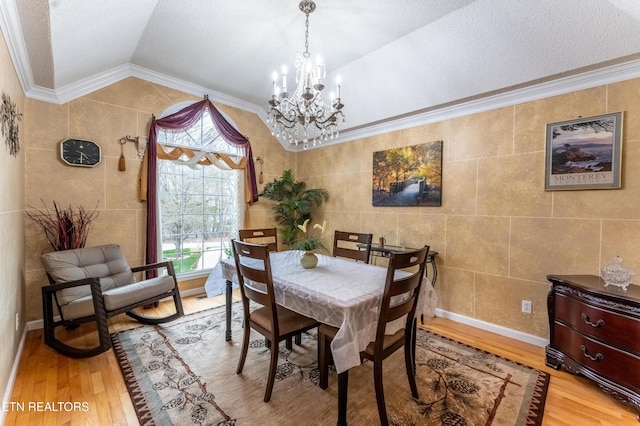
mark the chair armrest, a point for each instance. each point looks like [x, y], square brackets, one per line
[93, 282]
[168, 265]
[49, 294]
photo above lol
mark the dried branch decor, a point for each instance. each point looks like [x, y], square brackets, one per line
[64, 228]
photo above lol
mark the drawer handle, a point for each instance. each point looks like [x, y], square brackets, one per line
[596, 324]
[598, 356]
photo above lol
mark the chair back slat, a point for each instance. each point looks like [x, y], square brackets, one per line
[345, 244]
[402, 288]
[253, 267]
[268, 236]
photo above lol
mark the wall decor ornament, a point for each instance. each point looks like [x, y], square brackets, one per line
[585, 153]
[408, 176]
[9, 117]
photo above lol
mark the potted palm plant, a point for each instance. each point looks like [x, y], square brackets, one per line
[293, 204]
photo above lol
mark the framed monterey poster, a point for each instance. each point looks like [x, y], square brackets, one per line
[584, 153]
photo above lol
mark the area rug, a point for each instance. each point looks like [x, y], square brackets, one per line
[184, 373]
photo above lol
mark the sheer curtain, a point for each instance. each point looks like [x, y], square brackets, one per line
[178, 122]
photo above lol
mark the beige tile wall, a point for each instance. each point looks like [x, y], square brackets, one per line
[498, 232]
[11, 227]
[104, 116]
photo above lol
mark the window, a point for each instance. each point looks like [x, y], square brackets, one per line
[199, 207]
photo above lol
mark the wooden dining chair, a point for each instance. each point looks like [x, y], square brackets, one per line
[276, 323]
[345, 244]
[408, 285]
[268, 236]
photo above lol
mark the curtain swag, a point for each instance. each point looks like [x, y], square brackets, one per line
[180, 121]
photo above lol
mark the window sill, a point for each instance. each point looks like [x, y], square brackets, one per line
[186, 276]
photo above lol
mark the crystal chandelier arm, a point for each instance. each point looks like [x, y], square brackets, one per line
[286, 122]
[331, 119]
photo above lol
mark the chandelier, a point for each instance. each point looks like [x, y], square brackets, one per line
[303, 117]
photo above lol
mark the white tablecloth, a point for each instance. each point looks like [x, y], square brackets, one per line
[338, 292]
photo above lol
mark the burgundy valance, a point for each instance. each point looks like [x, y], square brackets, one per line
[177, 122]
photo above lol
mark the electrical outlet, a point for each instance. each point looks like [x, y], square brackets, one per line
[17, 321]
[526, 306]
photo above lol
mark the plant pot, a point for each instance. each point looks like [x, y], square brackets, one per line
[309, 260]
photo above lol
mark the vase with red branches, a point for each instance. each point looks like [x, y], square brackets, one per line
[66, 228]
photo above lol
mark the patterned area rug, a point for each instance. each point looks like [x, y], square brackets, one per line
[184, 373]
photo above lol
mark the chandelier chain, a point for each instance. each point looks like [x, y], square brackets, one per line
[306, 36]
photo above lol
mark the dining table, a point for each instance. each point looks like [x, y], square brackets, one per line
[337, 292]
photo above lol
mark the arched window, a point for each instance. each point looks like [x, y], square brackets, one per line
[200, 207]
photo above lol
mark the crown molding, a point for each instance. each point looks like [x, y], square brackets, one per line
[589, 79]
[80, 88]
[607, 75]
[192, 89]
[109, 77]
[11, 27]
[10, 24]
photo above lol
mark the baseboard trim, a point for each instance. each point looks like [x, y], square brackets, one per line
[12, 377]
[35, 325]
[493, 328]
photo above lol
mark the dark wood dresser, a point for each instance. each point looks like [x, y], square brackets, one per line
[595, 332]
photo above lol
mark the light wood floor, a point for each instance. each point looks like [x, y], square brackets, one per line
[44, 376]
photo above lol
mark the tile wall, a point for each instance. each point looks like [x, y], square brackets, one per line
[498, 232]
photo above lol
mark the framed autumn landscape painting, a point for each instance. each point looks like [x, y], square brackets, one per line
[408, 176]
[584, 153]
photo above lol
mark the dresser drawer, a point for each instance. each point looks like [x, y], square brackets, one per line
[618, 366]
[617, 330]
[595, 332]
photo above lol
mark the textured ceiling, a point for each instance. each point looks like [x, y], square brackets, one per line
[395, 58]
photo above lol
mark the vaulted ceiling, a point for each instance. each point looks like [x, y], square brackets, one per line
[400, 62]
